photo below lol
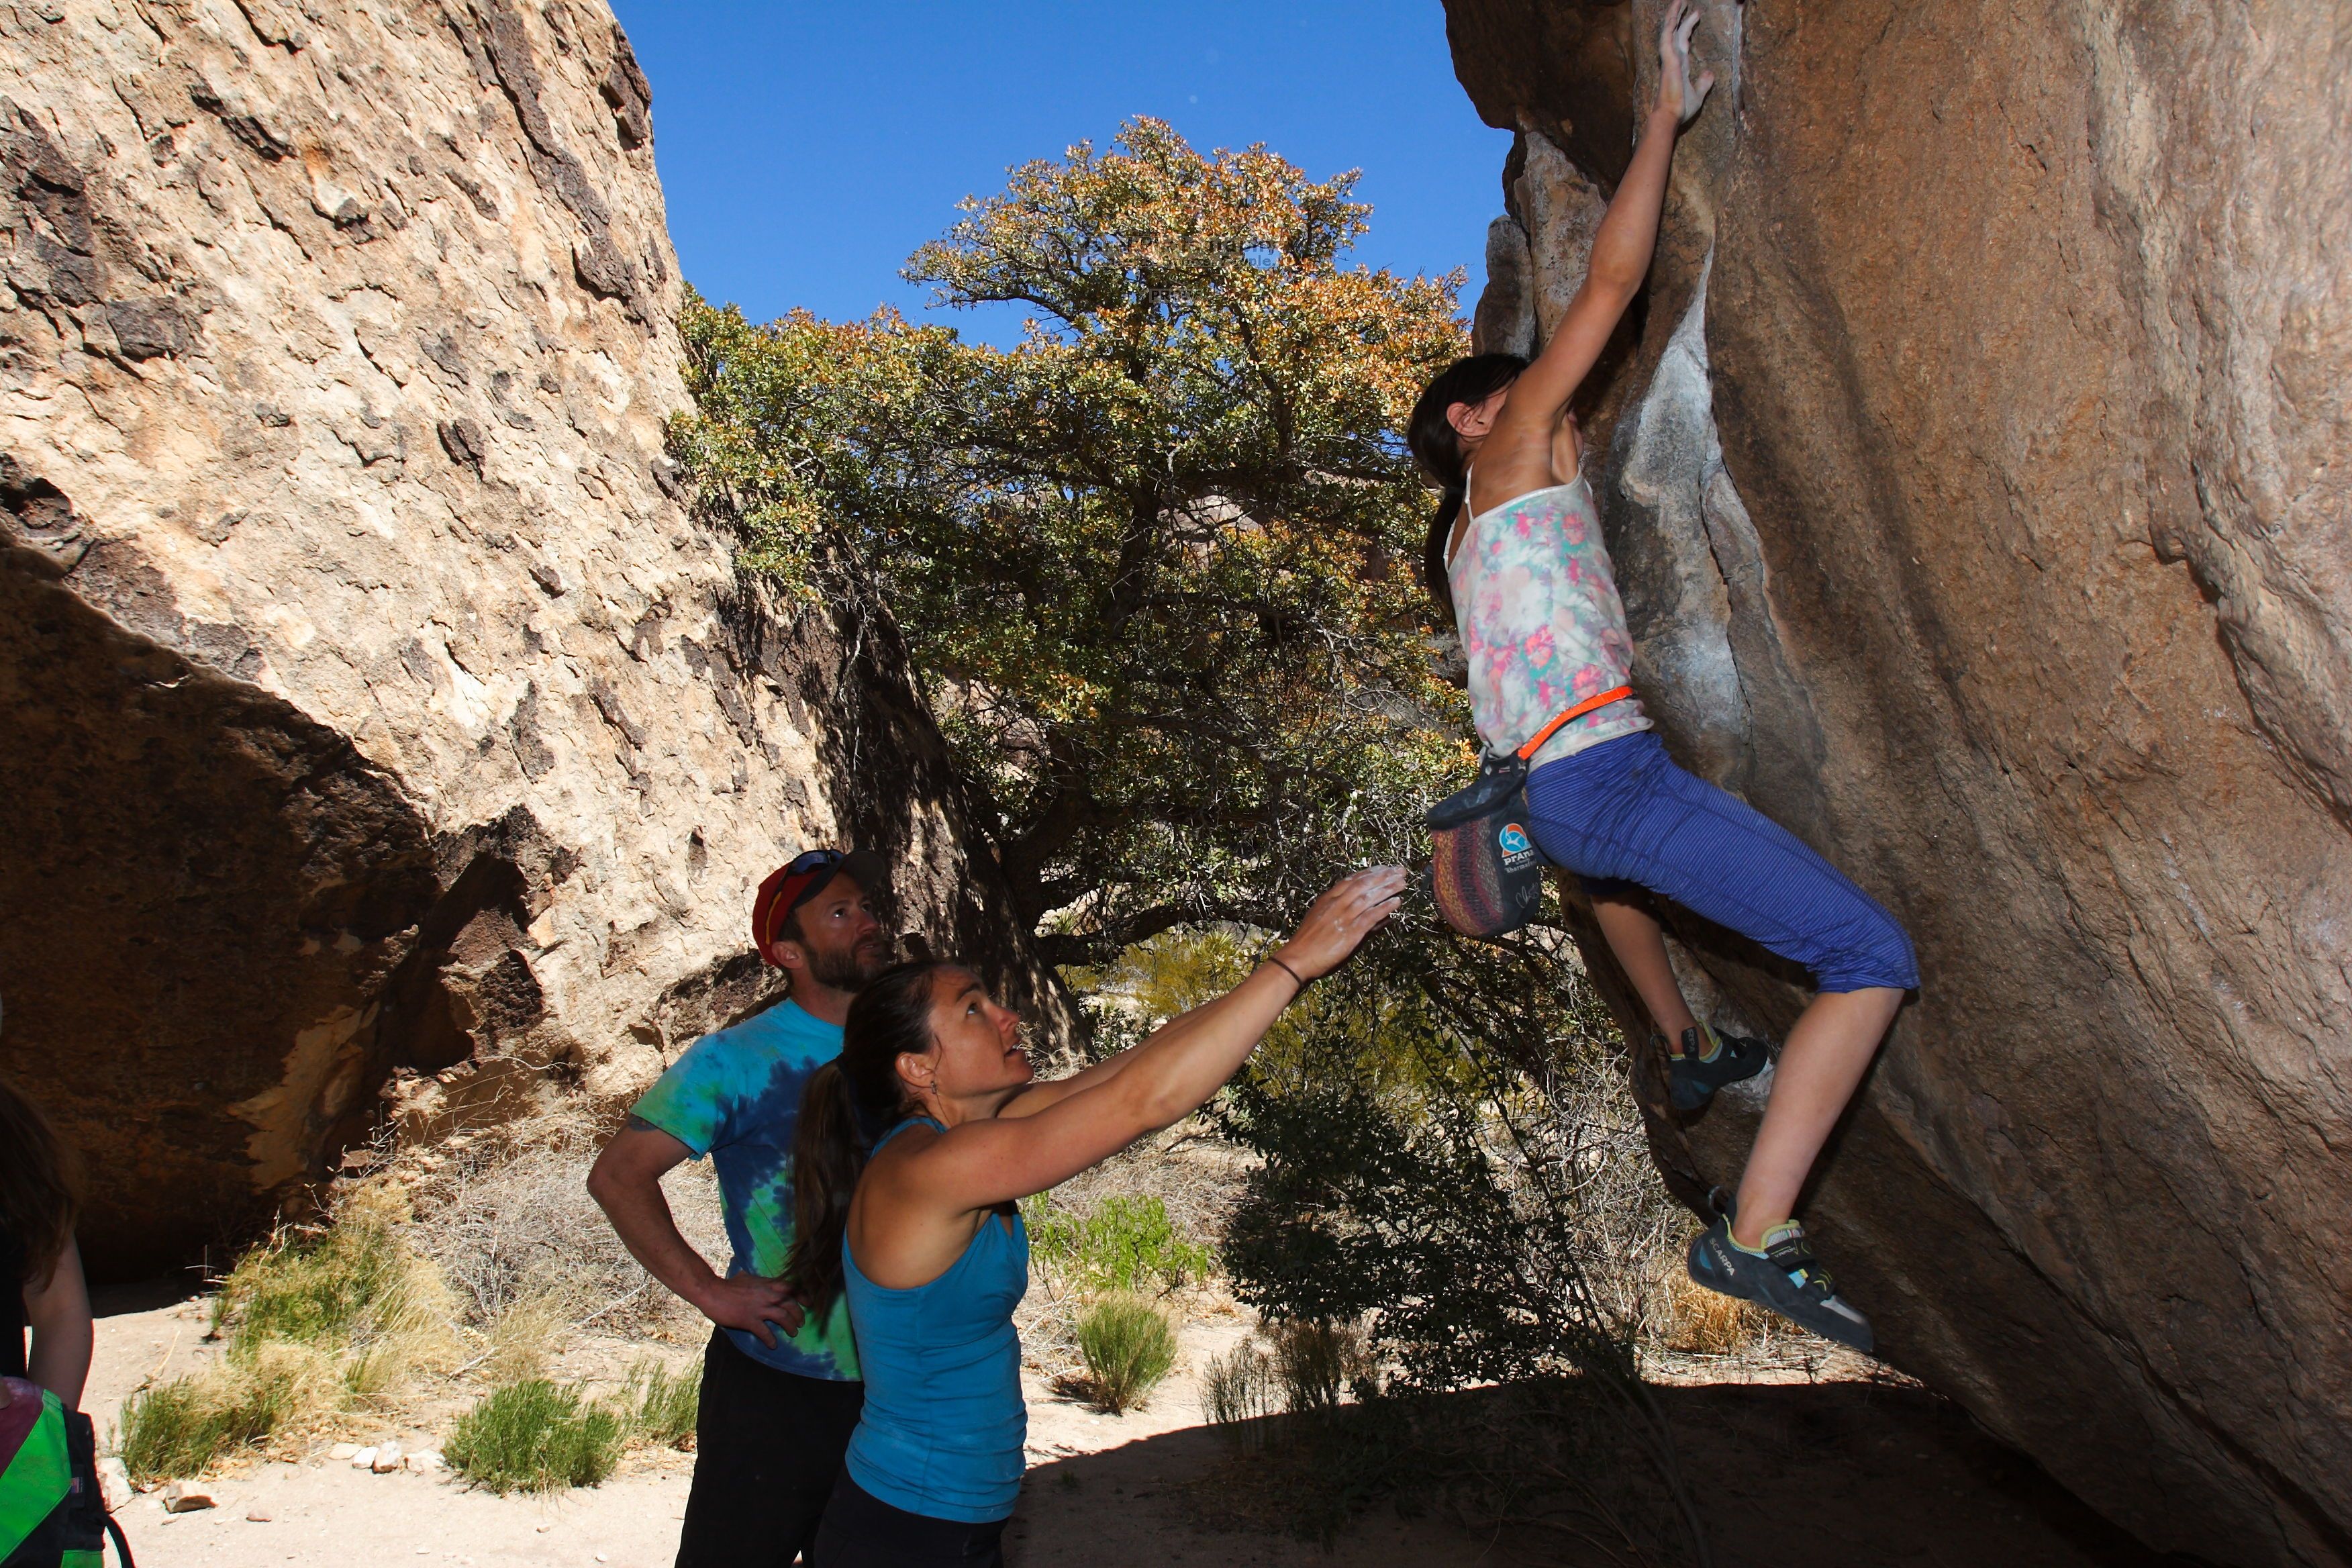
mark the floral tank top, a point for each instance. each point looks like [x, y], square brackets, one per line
[1541, 623]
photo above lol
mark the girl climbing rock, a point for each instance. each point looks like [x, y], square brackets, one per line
[1516, 555]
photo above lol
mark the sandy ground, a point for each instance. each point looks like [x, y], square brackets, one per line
[1818, 1463]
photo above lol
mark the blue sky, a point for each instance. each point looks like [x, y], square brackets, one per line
[807, 150]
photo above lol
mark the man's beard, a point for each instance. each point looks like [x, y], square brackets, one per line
[848, 969]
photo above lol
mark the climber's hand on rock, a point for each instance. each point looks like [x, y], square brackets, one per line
[1338, 921]
[1677, 93]
[752, 1304]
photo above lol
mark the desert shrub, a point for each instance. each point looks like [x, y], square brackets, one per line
[535, 1437]
[315, 1324]
[1125, 1243]
[1128, 1346]
[507, 1217]
[662, 1405]
[1315, 1362]
[184, 1426]
[1239, 1392]
[1290, 1373]
[1451, 1157]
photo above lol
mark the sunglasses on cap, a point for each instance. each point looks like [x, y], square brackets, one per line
[814, 860]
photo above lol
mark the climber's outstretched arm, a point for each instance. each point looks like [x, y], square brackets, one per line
[1620, 259]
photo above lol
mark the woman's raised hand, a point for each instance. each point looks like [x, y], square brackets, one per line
[1348, 911]
[1676, 91]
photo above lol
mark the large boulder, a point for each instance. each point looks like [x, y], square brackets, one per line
[379, 731]
[1978, 486]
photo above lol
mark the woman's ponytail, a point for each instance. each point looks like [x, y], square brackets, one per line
[847, 1104]
[1437, 448]
[829, 1149]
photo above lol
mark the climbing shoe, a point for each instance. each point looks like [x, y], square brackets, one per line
[1783, 1276]
[1708, 1061]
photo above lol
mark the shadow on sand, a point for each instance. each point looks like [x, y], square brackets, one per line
[1797, 1473]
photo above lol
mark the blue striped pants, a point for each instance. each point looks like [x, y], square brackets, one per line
[1622, 813]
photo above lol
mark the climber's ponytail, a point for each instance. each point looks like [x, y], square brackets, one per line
[847, 1104]
[1438, 449]
[1433, 575]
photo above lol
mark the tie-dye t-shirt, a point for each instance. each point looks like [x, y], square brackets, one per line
[736, 1097]
[1542, 626]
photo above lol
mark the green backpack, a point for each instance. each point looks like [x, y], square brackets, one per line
[51, 1511]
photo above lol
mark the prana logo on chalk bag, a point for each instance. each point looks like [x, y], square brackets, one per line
[1515, 844]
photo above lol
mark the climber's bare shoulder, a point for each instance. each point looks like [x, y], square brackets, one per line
[1524, 457]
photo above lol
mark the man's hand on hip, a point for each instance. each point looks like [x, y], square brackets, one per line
[752, 1304]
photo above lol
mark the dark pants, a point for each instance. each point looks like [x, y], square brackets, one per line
[861, 1531]
[766, 1446]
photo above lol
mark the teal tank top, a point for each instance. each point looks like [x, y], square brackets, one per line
[944, 1420]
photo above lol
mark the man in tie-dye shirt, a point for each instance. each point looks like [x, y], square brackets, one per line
[781, 1392]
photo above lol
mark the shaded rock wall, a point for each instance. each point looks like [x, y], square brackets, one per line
[374, 719]
[1979, 488]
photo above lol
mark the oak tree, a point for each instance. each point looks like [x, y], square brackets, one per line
[1156, 560]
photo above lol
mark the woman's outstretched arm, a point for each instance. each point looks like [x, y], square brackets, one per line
[1044, 1137]
[1517, 456]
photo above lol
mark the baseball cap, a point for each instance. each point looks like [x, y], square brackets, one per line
[803, 878]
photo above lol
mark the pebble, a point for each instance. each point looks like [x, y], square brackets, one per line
[256, 1515]
[343, 1450]
[424, 1461]
[387, 1459]
[113, 1484]
[363, 1460]
[181, 1498]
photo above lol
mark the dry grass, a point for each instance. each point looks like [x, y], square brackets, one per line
[320, 1327]
[507, 1215]
[1695, 1321]
[477, 1264]
[1634, 1239]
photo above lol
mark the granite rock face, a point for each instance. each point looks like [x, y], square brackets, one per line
[1980, 485]
[379, 734]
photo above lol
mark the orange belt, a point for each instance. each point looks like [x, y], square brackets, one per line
[1616, 694]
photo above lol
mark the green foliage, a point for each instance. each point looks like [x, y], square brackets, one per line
[1418, 1169]
[661, 1405]
[1125, 1244]
[1157, 563]
[1428, 1167]
[314, 1324]
[184, 1426]
[1128, 1346]
[536, 1437]
[325, 1290]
